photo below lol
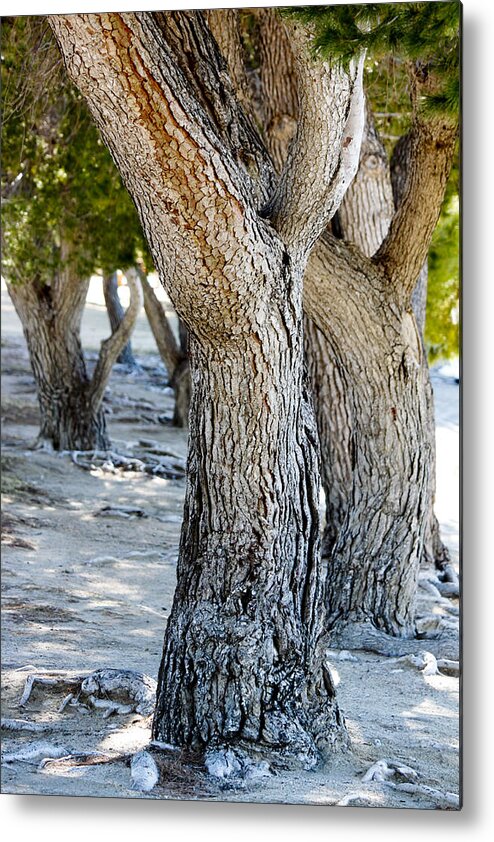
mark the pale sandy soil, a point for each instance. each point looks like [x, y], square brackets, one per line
[88, 592]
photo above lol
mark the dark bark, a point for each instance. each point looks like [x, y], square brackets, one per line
[72, 417]
[243, 660]
[69, 418]
[115, 315]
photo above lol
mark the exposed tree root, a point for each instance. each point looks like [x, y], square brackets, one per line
[23, 725]
[108, 461]
[34, 752]
[366, 637]
[69, 761]
[114, 691]
[234, 765]
[383, 770]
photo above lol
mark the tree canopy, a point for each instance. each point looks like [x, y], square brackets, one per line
[63, 199]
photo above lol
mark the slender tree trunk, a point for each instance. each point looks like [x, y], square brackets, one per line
[173, 354]
[115, 315]
[69, 418]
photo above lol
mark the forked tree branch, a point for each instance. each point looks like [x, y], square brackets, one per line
[112, 347]
[324, 154]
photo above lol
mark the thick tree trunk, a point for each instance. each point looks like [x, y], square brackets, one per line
[363, 219]
[69, 418]
[115, 314]
[173, 354]
[243, 659]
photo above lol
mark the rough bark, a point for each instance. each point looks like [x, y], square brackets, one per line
[69, 420]
[173, 354]
[435, 552]
[70, 401]
[355, 460]
[373, 567]
[363, 219]
[243, 655]
[115, 314]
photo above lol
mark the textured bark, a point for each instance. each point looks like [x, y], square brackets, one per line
[278, 83]
[69, 418]
[174, 356]
[435, 552]
[72, 417]
[405, 247]
[364, 217]
[399, 166]
[373, 566]
[243, 654]
[115, 315]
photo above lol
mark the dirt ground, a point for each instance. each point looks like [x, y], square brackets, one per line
[86, 588]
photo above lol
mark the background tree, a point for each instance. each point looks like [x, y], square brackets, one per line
[373, 565]
[64, 214]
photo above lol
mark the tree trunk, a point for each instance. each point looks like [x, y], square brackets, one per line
[243, 659]
[69, 418]
[72, 417]
[363, 219]
[435, 552]
[173, 354]
[115, 315]
[373, 565]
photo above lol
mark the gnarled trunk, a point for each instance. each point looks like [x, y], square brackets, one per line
[69, 418]
[373, 565]
[115, 314]
[243, 654]
[243, 661]
[70, 401]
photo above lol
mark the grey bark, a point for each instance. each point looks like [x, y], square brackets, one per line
[243, 659]
[115, 315]
[69, 419]
[435, 552]
[378, 587]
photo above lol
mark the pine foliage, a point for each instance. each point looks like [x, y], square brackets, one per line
[426, 35]
[62, 197]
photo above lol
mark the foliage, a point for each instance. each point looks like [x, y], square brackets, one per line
[62, 198]
[441, 328]
[423, 36]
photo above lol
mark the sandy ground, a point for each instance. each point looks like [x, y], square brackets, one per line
[83, 591]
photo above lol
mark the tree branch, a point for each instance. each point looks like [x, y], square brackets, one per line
[114, 345]
[324, 155]
[404, 249]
